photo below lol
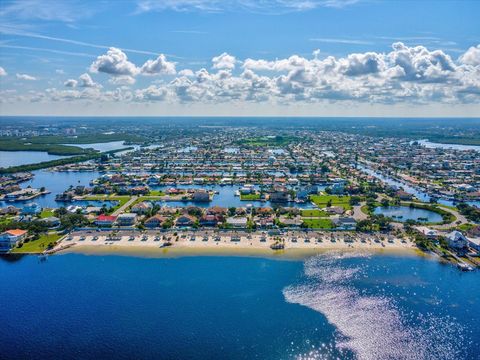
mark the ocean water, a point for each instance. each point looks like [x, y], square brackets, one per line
[331, 306]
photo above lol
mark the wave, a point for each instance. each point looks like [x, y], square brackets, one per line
[371, 326]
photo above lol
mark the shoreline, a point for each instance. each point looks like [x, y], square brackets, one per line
[296, 253]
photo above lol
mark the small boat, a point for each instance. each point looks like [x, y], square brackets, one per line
[464, 267]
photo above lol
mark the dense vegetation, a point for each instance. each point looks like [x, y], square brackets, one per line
[15, 144]
[54, 144]
[472, 213]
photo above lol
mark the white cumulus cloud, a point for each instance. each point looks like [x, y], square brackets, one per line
[471, 56]
[158, 66]
[224, 61]
[25, 77]
[114, 62]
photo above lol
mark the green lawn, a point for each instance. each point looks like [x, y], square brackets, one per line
[37, 246]
[156, 193]
[246, 197]
[5, 220]
[322, 200]
[46, 213]
[318, 223]
[314, 213]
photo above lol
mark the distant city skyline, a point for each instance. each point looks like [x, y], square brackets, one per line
[240, 58]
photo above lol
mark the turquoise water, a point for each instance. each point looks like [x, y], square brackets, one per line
[333, 306]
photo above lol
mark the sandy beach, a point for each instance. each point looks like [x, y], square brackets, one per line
[296, 244]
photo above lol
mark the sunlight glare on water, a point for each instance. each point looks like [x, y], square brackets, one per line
[370, 326]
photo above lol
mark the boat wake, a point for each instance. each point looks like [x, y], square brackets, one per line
[371, 326]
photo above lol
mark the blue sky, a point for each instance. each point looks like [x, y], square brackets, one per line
[305, 57]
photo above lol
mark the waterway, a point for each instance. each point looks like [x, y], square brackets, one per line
[423, 196]
[17, 158]
[432, 145]
[58, 182]
[332, 306]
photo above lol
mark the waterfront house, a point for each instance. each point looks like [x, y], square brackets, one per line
[279, 196]
[208, 220]
[185, 221]
[201, 196]
[264, 221]
[11, 238]
[31, 209]
[155, 221]
[427, 232]
[237, 222]
[294, 222]
[336, 210]
[105, 220]
[217, 211]
[141, 208]
[127, 219]
[345, 223]
[474, 243]
[456, 240]
[404, 196]
[51, 221]
[338, 188]
[9, 210]
[140, 190]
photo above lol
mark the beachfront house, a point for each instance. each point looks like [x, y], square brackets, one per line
[127, 219]
[105, 220]
[264, 221]
[11, 238]
[208, 220]
[185, 221]
[345, 223]
[237, 222]
[155, 221]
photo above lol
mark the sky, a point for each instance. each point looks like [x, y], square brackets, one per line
[240, 58]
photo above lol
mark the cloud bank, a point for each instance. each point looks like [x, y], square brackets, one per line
[404, 75]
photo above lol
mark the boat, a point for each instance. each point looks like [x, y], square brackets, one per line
[464, 267]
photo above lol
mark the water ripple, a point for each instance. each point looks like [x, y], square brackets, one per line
[371, 326]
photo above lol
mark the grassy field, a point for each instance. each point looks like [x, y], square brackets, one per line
[314, 213]
[37, 246]
[322, 200]
[156, 193]
[246, 197]
[46, 213]
[318, 223]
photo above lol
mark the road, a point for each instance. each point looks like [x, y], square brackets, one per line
[122, 208]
